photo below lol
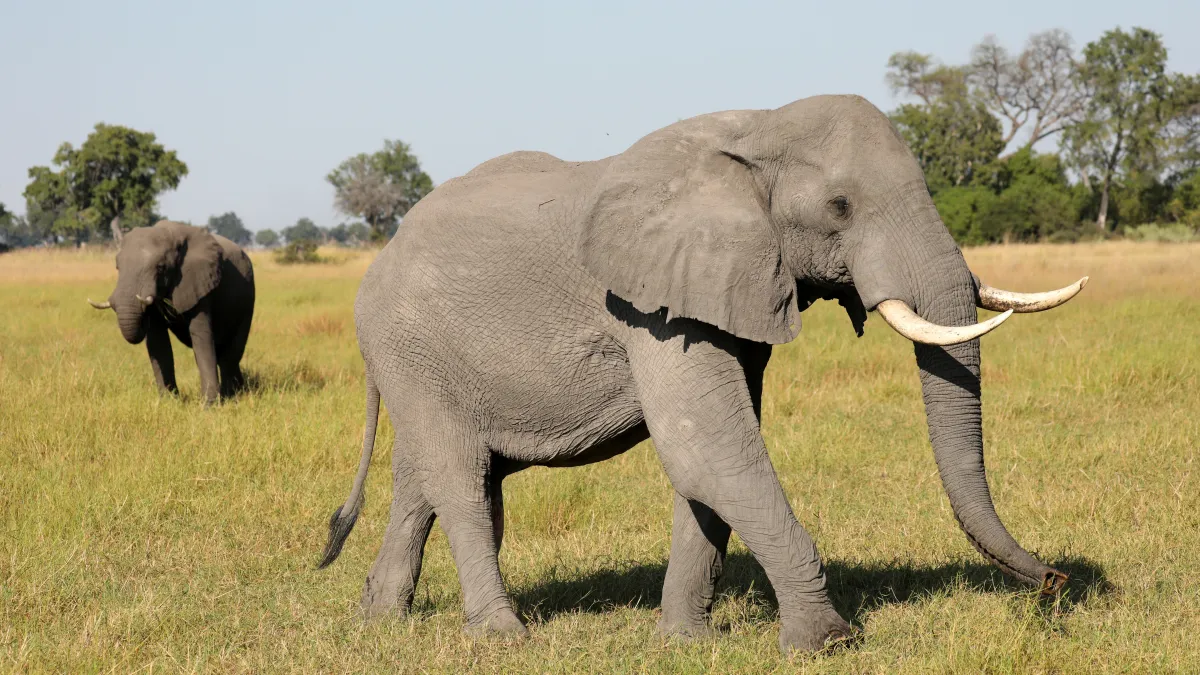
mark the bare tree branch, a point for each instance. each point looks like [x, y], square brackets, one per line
[1038, 88]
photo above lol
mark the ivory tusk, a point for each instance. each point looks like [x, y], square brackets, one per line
[999, 300]
[100, 305]
[906, 322]
[148, 300]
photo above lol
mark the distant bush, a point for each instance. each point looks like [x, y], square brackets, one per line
[301, 251]
[1170, 232]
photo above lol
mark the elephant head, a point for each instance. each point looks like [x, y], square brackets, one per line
[171, 265]
[742, 219]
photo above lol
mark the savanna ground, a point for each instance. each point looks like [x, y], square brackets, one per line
[148, 534]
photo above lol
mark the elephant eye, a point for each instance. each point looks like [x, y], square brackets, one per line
[840, 206]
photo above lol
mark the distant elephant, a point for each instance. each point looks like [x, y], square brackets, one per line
[198, 285]
[543, 312]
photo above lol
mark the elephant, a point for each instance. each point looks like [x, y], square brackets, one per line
[198, 285]
[540, 312]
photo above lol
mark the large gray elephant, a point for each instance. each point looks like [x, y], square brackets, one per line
[543, 312]
[199, 286]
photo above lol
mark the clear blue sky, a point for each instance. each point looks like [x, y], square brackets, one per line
[262, 98]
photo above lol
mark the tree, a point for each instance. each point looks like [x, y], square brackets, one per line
[19, 232]
[303, 230]
[117, 174]
[1038, 87]
[380, 187]
[1025, 196]
[339, 234]
[919, 75]
[1131, 101]
[6, 229]
[950, 138]
[359, 232]
[950, 134]
[228, 225]
[266, 238]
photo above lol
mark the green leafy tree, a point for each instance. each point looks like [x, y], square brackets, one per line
[6, 229]
[115, 177]
[19, 232]
[1023, 197]
[962, 210]
[1132, 100]
[359, 232]
[951, 139]
[339, 234]
[350, 234]
[266, 238]
[920, 75]
[228, 225]
[303, 230]
[381, 187]
[950, 134]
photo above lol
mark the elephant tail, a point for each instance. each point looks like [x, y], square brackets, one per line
[343, 519]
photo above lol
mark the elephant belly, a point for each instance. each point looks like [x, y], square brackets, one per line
[607, 449]
[552, 390]
[536, 404]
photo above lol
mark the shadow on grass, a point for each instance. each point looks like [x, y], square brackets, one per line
[296, 376]
[854, 588]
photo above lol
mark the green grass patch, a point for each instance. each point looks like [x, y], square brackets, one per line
[145, 533]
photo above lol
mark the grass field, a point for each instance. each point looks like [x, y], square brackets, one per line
[146, 534]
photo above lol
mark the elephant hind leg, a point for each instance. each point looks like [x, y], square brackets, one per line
[392, 582]
[230, 361]
[464, 495]
[698, 542]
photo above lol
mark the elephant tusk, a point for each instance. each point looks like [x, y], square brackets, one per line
[147, 301]
[100, 305]
[999, 300]
[906, 322]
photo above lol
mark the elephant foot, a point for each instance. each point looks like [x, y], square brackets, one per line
[685, 630]
[502, 623]
[823, 633]
[373, 611]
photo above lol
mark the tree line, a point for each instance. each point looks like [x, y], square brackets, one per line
[1127, 156]
[112, 182]
[1127, 133]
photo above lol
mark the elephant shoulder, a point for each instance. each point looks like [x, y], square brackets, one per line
[234, 255]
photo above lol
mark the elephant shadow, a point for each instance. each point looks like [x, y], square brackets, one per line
[300, 375]
[855, 588]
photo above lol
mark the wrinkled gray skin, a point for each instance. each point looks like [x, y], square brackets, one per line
[203, 290]
[542, 312]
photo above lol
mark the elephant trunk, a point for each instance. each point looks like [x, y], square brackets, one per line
[951, 389]
[131, 310]
[129, 318]
[916, 262]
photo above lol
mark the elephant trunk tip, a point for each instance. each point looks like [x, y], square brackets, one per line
[1053, 582]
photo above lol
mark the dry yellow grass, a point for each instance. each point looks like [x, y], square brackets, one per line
[147, 534]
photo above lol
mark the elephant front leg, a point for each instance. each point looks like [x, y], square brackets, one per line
[700, 414]
[698, 541]
[162, 360]
[200, 328]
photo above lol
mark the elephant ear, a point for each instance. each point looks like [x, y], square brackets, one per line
[199, 271]
[679, 221]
